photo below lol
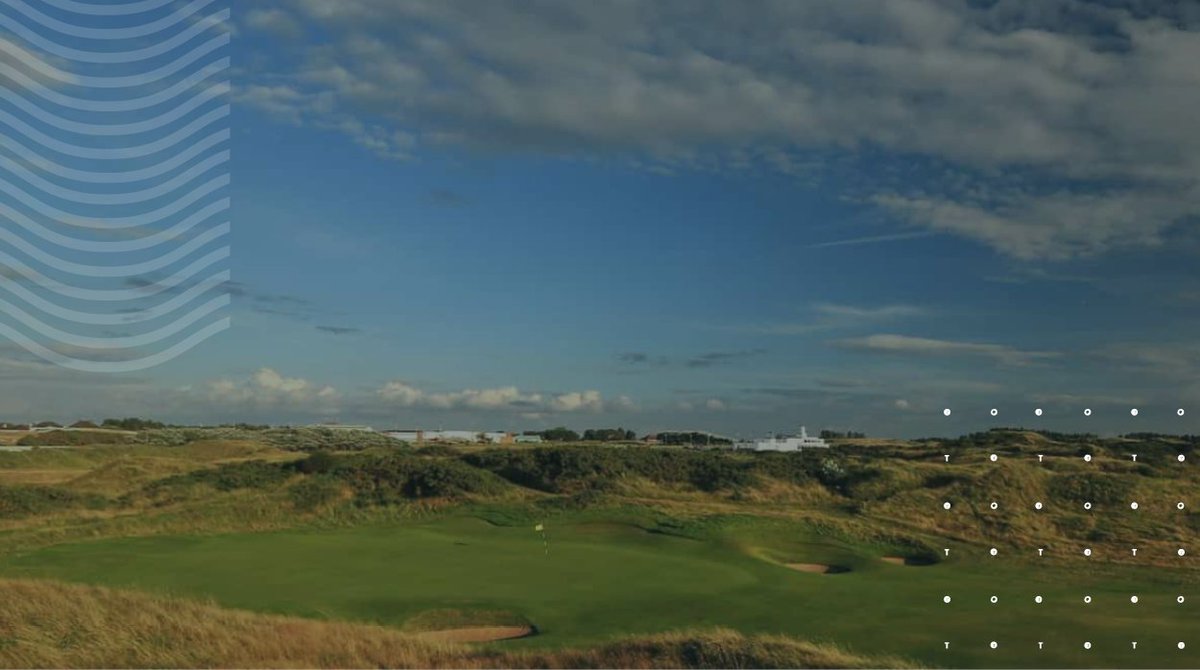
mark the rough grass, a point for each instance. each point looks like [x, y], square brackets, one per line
[443, 619]
[74, 438]
[50, 625]
[881, 499]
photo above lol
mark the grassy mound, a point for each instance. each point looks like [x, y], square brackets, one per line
[73, 438]
[45, 624]
[23, 501]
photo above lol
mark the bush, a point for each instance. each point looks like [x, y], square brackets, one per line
[292, 439]
[22, 501]
[71, 438]
[313, 492]
[131, 423]
[391, 478]
[231, 476]
[1097, 489]
[318, 462]
[568, 469]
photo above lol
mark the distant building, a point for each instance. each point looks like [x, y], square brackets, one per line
[496, 437]
[472, 436]
[528, 439]
[451, 436]
[785, 443]
[405, 435]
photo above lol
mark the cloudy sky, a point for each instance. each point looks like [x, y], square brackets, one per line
[739, 217]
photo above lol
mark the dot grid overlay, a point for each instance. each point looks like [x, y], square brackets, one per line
[1096, 620]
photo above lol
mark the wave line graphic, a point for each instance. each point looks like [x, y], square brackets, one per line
[141, 79]
[108, 57]
[98, 246]
[30, 158]
[114, 180]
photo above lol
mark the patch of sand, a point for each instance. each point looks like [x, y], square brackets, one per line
[818, 568]
[910, 561]
[42, 477]
[478, 633]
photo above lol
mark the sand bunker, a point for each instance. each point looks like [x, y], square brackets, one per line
[908, 560]
[478, 633]
[818, 568]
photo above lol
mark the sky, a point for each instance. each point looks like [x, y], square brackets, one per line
[736, 217]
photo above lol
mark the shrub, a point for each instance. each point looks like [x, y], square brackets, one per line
[71, 438]
[317, 462]
[22, 501]
[1098, 489]
[391, 478]
[131, 423]
[313, 492]
[567, 469]
[293, 439]
[231, 476]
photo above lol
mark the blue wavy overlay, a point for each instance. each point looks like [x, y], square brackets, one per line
[114, 179]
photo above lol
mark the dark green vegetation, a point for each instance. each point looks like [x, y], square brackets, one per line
[645, 541]
[72, 438]
[25, 501]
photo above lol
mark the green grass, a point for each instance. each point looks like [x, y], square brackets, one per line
[641, 543]
[603, 579]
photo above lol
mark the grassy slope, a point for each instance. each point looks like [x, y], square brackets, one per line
[51, 625]
[600, 581]
[608, 579]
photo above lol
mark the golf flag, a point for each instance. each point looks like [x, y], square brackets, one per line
[539, 527]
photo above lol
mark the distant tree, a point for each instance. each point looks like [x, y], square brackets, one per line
[560, 434]
[690, 438]
[132, 423]
[84, 423]
[47, 424]
[608, 434]
[837, 435]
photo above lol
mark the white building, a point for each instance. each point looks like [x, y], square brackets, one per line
[786, 443]
[496, 437]
[405, 435]
[471, 436]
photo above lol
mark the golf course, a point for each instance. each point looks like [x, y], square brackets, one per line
[571, 548]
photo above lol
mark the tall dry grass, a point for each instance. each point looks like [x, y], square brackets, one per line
[53, 625]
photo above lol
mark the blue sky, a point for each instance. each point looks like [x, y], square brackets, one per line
[662, 215]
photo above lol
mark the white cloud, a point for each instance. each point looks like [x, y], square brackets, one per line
[1093, 96]
[401, 394]
[828, 316]
[275, 21]
[868, 313]
[574, 402]
[266, 387]
[903, 344]
[1054, 226]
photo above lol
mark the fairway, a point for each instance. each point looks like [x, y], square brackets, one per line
[600, 580]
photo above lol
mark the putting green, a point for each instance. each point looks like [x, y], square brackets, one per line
[601, 580]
